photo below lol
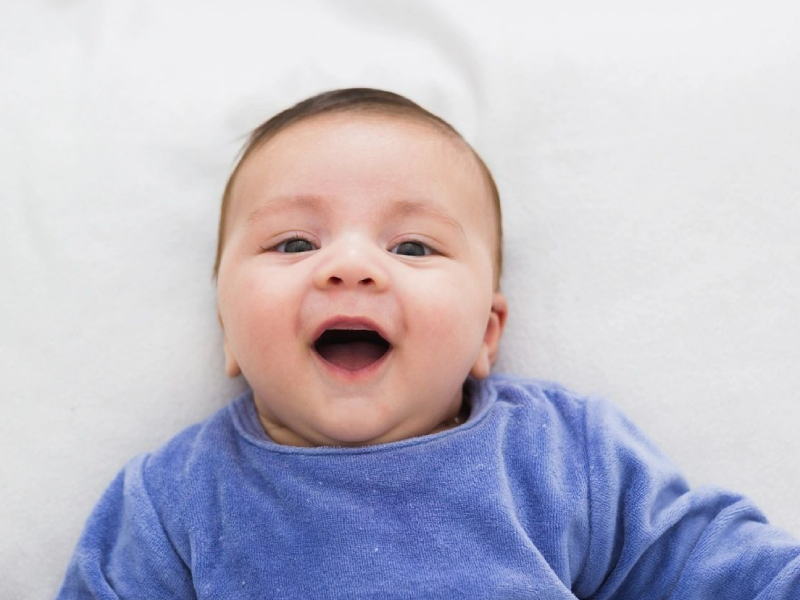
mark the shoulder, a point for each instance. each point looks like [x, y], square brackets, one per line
[542, 394]
[539, 429]
[539, 397]
[587, 419]
[610, 442]
[540, 417]
[197, 447]
[174, 475]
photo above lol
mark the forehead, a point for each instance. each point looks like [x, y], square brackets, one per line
[352, 155]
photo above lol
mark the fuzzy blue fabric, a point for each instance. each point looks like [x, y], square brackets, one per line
[541, 494]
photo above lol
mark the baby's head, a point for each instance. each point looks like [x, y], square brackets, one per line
[357, 270]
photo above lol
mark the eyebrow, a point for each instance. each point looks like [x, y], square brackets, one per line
[303, 202]
[400, 208]
[411, 207]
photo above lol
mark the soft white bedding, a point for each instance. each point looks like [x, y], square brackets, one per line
[647, 159]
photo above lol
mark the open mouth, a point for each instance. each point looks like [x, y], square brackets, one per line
[351, 349]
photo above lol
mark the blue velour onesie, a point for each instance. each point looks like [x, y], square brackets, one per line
[540, 494]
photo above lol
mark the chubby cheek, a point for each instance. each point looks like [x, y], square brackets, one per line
[451, 325]
[258, 319]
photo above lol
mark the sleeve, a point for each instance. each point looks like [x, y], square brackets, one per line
[652, 537]
[124, 551]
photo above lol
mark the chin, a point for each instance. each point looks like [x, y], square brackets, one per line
[362, 434]
[357, 438]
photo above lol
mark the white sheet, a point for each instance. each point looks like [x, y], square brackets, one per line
[647, 163]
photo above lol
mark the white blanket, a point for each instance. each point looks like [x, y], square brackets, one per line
[647, 160]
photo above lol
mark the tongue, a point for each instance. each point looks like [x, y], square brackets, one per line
[352, 356]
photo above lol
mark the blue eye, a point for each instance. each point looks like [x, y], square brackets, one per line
[412, 249]
[295, 245]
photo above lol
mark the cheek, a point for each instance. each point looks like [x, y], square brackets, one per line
[452, 318]
[257, 313]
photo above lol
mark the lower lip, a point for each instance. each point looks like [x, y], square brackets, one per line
[356, 374]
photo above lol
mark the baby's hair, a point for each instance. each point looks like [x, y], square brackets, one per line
[356, 100]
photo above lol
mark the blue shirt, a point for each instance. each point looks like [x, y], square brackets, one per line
[540, 494]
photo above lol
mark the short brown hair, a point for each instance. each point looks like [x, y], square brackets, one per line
[361, 100]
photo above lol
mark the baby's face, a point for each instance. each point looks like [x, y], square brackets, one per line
[355, 288]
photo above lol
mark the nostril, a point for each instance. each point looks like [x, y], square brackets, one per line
[346, 280]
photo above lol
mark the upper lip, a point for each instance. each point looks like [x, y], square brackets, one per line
[349, 322]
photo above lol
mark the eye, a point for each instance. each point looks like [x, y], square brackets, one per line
[411, 249]
[292, 246]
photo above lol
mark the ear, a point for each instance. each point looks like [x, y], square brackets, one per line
[231, 366]
[491, 337]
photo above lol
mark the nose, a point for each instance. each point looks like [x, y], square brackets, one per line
[351, 264]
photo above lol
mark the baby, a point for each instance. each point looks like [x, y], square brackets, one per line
[374, 455]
